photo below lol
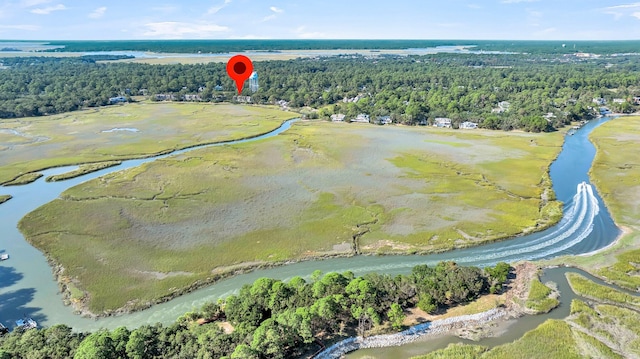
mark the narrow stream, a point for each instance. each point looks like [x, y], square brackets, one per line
[27, 287]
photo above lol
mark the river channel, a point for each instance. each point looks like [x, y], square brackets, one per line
[27, 286]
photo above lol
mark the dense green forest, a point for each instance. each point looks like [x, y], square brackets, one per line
[497, 91]
[271, 318]
[220, 46]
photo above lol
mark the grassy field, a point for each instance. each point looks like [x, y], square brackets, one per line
[4, 198]
[151, 231]
[31, 144]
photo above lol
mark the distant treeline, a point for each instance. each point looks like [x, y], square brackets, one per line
[497, 91]
[272, 318]
[220, 46]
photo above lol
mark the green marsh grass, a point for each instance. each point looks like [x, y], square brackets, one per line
[24, 179]
[551, 339]
[590, 289]
[539, 299]
[77, 137]
[455, 351]
[134, 236]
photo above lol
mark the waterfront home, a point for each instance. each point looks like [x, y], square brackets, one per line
[164, 97]
[619, 100]
[442, 122]
[467, 125]
[384, 120]
[242, 99]
[337, 117]
[362, 118]
[192, 97]
[117, 99]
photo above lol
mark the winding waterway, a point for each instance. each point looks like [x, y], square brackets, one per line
[27, 286]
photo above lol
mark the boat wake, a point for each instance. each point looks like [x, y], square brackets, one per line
[576, 226]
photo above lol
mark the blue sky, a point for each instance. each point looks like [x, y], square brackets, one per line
[320, 19]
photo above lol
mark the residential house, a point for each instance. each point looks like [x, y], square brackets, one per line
[549, 116]
[362, 118]
[337, 117]
[218, 88]
[242, 99]
[636, 100]
[423, 122]
[164, 97]
[600, 101]
[192, 97]
[467, 125]
[442, 122]
[619, 100]
[384, 120]
[117, 99]
[503, 106]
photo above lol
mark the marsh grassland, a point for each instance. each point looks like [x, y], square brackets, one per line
[131, 237]
[31, 144]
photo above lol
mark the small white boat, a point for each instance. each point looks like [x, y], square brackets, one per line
[4, 257]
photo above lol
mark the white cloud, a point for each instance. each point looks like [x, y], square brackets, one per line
[272, 16]
[181, 30]
[49, 9]
[167, 9]
[30, 3]
[636, 15]
[474, 6]
[619, 11]
[214, 9]
[20, 27]
[516, 1]
[98, 13]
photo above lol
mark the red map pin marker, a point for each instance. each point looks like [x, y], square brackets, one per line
[239, 69]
